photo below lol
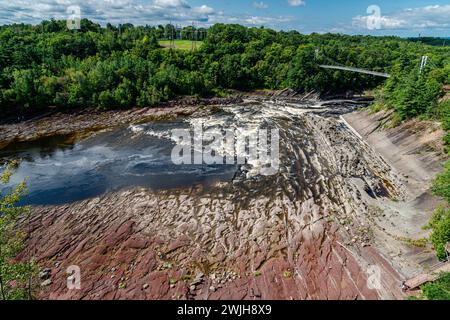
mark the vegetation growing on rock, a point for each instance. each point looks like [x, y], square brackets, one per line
[15, 276]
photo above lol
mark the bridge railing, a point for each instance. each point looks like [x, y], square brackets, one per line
[374, 73]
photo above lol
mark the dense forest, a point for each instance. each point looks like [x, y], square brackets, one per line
[432, 41]
[123, 66]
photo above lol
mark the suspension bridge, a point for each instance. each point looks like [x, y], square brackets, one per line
[338, 66]
[374, 73]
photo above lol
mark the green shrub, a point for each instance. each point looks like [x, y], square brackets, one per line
[443, 114]
[440, 224]
[15, 276]
[441, 186]
[438, 290]
[415, 95]
[447, 143]
[149, 96]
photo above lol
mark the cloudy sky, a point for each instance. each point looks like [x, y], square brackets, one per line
[377, 17]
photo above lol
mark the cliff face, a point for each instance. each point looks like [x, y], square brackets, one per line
[415, 152]
[305, 233]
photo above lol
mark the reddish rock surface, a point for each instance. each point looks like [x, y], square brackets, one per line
[124, 253]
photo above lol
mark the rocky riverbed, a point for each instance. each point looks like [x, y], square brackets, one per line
[307, 232]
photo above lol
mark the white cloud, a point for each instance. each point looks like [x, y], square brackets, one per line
[204, 9]
[436, 16]
[260, 5]
[171, 3]
[296, 3]
[114, 11]
[250, 20]
[258, 21]
[138, 12]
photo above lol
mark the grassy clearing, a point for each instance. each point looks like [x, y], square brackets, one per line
[180, 44]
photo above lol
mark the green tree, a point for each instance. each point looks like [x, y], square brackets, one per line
[440, 224]
[15, 276]
[47, 65]
[438, 290]
[441, 186]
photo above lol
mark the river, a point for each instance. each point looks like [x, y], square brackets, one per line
[308, 221]
[59, 172]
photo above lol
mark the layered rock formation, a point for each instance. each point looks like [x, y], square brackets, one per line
[304, 233]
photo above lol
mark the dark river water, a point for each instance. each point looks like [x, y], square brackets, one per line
[57, 172]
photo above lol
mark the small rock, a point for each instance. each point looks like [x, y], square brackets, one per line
[46, 283]
[145, 286]
[45, 274]
[192, 288]
[199, 277]
[213, 289]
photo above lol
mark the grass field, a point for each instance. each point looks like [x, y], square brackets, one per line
[180, 44]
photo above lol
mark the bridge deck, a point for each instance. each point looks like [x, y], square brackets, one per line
[374, 73]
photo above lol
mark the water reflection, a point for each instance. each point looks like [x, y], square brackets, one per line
[58, 171]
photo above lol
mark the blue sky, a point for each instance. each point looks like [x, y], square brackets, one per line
[388, 17]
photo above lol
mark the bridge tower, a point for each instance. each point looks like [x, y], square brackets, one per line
[423, 63]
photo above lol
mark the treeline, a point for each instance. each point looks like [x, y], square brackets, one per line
[173, 32]
[123, 66]
[412, 93]
[432, 41]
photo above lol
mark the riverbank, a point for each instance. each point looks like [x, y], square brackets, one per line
[82, 123]
[415, 151]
